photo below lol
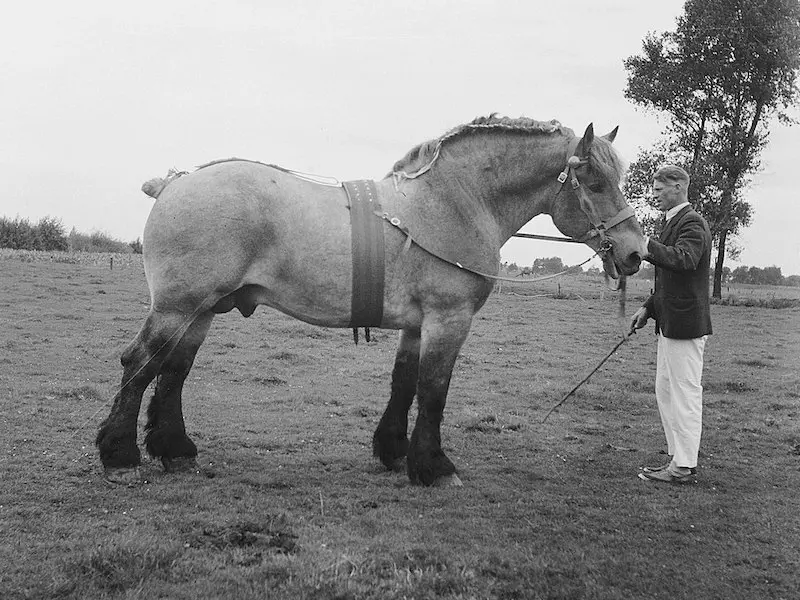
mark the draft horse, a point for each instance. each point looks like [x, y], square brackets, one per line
[237, 233]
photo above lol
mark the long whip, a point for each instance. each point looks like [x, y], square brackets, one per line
[585, 379]
[623, 288]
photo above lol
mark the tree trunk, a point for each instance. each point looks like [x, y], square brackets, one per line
[717, 291]
[698, 146]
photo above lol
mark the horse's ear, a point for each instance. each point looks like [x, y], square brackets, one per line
[611, 135]
[586, 141]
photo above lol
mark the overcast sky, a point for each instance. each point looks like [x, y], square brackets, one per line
[98, 97]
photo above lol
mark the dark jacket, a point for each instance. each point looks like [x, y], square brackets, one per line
[682, 257]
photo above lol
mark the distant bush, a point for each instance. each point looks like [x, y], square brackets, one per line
[96, 242]
[792, 280]
[48, 235]
[19, 234]
[107, 259]
[771, 302]
[755, 275]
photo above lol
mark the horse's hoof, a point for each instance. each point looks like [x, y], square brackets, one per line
[123, 475]
[181, 464]
[448, 481]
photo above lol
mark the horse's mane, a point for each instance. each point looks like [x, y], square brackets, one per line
[420, 158]
[607, 160]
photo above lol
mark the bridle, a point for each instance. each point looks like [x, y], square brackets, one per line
[599, 226]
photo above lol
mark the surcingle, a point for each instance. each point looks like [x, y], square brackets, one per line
[154, 187]
[368, 255]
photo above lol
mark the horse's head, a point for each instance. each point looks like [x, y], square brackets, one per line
[591, 207]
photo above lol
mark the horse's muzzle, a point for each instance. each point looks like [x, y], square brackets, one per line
[628, 266]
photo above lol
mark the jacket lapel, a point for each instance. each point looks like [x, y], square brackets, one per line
[670, 225]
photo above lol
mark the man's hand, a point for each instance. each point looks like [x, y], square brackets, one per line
[645, 252]
[639, 319]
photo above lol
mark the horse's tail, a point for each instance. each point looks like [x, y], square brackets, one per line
[154, 187]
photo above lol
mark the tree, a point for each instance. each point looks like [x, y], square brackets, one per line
[727, 70]
[726, 274]
[771, 275]
[757, 276]
[548, 265]
[50, 234]
[638, 183]
[17, 234]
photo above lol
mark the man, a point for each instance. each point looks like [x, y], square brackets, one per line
[680, 307]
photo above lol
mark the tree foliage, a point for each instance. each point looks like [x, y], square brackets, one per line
[755, 275]
[726, 71]
[549, 265]
[20, 234]
[48, 234]
[97, 241]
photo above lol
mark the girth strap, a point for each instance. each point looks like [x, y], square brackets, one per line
[368, 254]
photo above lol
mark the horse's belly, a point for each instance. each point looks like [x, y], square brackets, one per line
[306, 281]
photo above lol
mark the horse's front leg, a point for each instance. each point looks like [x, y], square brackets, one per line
[390, 442]
[442, 337]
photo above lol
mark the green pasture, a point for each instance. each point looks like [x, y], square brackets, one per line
[289, 502]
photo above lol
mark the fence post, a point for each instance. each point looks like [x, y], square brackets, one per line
[111, 263]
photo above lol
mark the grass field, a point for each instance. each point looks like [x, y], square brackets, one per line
[291, 504]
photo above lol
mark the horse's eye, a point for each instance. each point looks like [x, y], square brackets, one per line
[596, 187]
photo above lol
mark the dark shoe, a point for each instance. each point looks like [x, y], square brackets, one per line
[671, 475]
[657, 469]
[663, 467]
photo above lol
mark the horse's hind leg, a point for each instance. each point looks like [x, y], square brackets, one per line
[390, 441]
[166, 432]
[141, 361]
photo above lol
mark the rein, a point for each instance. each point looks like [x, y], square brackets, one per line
[397, 224]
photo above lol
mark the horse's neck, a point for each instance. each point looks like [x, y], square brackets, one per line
[508, 184]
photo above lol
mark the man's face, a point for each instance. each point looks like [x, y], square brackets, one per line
[667, 194]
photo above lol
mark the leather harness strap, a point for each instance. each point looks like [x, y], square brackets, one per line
[368, 254]
[599, 227]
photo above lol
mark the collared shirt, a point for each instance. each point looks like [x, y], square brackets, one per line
[676, 209]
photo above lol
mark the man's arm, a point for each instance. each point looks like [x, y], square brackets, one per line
[687, 251]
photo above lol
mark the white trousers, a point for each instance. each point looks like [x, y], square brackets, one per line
[679, 393]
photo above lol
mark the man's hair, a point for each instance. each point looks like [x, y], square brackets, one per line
[672, 174]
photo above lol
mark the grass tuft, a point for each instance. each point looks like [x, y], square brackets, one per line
[726, 387]
[116, 568]
[493, 424]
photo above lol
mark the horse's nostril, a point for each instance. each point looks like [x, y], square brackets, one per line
[634, 259]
